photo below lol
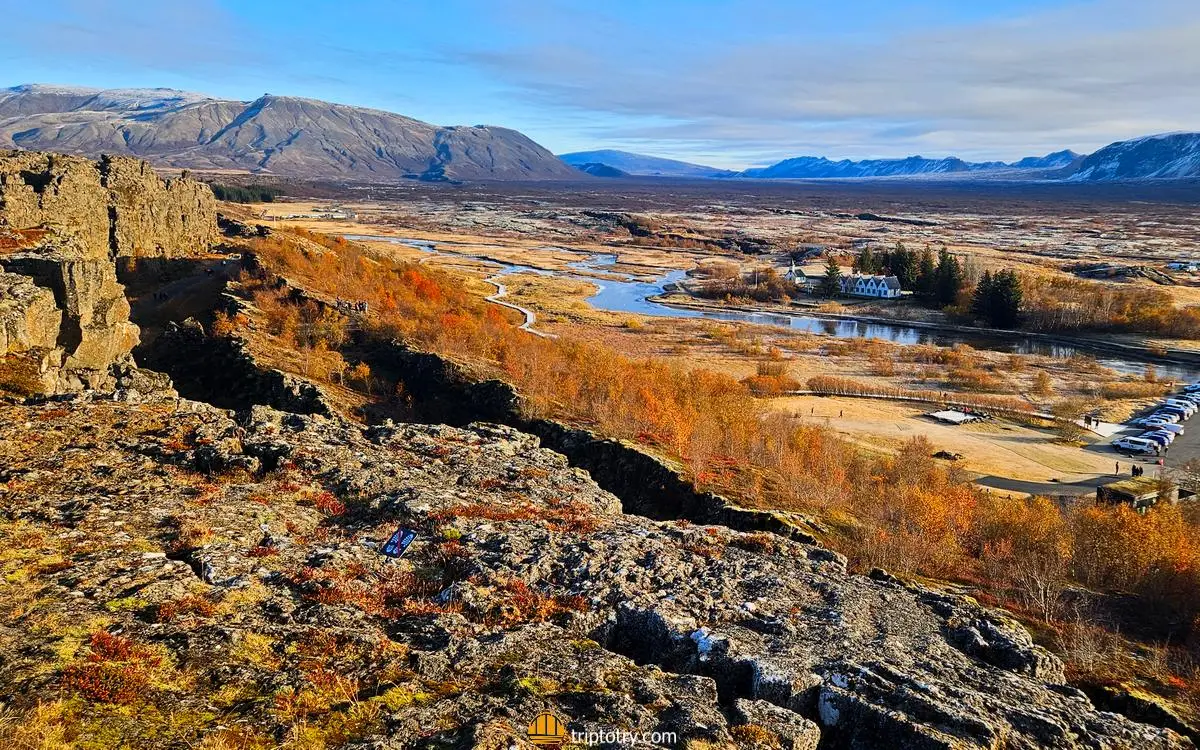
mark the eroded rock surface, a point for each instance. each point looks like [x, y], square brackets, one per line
[244, 553]
[64, 221]
[114, 207]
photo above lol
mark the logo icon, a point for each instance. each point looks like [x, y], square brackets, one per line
[547, 731]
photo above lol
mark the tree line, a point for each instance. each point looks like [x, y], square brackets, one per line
[935, 280]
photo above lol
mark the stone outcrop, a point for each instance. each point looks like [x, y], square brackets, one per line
[153, 218]
[64, 222]
[229, 376]
[245, 554]
[114, 207]
[93, 332]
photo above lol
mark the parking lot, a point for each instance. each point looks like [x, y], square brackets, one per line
[1185, 448]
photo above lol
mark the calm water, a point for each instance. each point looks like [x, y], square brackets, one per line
[620, 293]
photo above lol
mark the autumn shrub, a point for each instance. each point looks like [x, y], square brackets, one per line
[515, 602]
[974, 379]
[913, 516]
[1155, 553]
[1061, 303]
[116, 670]
[1133, 389]
[1024, 546]
[327, 503]
[189, 604]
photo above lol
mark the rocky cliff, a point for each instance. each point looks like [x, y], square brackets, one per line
[192, 563]
[64, 222]
[114, 207]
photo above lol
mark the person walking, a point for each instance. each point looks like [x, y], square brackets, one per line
[1118, 471]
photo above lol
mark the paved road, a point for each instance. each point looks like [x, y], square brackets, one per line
[1080, 487]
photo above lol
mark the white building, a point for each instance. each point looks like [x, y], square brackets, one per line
[883, 287]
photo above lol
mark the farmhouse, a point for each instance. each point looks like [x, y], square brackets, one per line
[858, 285]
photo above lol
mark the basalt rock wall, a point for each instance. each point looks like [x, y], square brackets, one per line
[114, 207]
[222, 371]
[64, 222]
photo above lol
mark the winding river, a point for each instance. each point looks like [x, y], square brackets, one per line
[618, 292]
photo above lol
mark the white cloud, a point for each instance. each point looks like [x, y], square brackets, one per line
[1080, 77]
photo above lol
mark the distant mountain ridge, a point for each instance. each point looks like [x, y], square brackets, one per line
[1165, 156]
[286, 136]
[642, 165]
[809, 167]
[816, 167]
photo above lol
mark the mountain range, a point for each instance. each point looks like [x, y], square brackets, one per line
[1170, 155]
[643, 165]
[307, 138]
[281, 135]
[807, 167]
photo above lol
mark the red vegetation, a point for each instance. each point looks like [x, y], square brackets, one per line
[117, 670]
[328, 504]
[189, 604]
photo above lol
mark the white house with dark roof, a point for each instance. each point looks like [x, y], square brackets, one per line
[882, 287]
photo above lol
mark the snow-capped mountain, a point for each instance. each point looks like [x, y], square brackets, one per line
[643, 165]
[1165, 156]
[816, 167]
[810, 167]
[1049, 161]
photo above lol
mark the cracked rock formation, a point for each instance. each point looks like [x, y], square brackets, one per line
[116, 207]
[245, 554]
[64, 318]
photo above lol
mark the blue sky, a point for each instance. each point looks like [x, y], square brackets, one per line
[725, 82]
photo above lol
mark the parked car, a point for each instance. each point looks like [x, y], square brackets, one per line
[1137, 445]
[1181, 413]
[1193, 388]
[1179, 403]
[1163, 416]
[1158, 438]
[1175, 428]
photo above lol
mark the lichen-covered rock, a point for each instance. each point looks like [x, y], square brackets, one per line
[117, 207]
[63, 193]
[64, 318]
[246, 556]
[153, 218]
[29, 316]
[93, 332]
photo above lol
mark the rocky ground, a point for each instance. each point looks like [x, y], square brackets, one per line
[176, 575]
[173, 574]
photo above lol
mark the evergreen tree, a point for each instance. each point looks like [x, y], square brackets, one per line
[831, 284]
[1006, 299]
[997, 299]
[926, 282]
[905, 266]
[984, 297]
[949, 279]
[865, 263]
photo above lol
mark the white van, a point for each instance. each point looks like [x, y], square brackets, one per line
[1136, 445]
